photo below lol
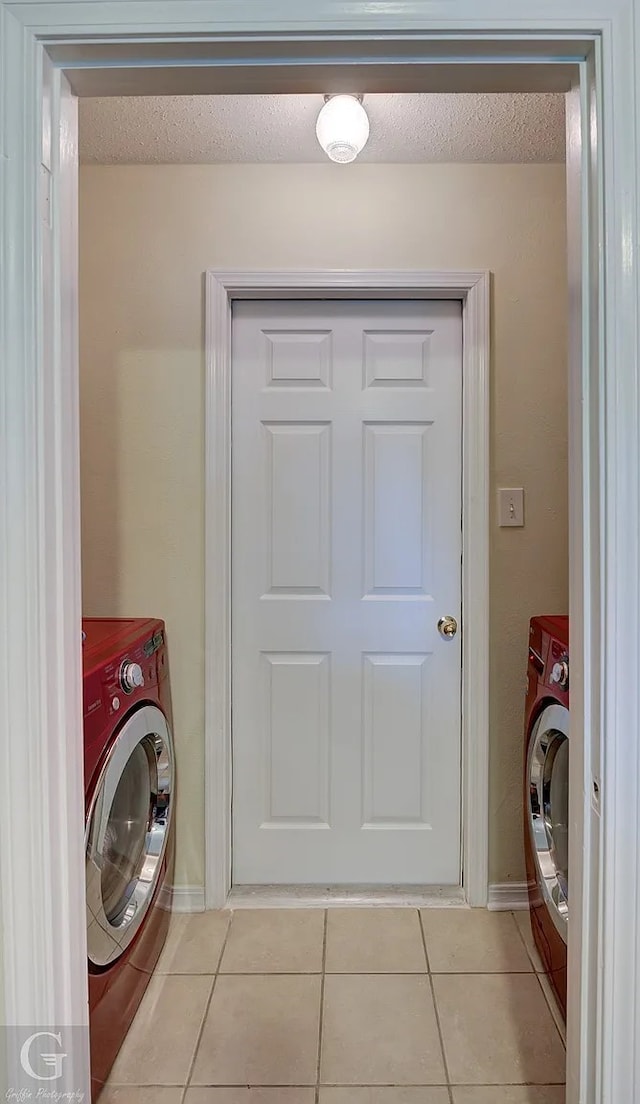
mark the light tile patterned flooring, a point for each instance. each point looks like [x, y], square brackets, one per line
[347, 1006]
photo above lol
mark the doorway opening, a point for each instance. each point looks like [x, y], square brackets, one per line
[60, 625]
[252, 286]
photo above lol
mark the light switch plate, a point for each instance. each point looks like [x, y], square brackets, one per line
[511, 506]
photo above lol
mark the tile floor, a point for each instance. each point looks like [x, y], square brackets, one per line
[347, 1006]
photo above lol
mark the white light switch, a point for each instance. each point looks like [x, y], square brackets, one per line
[511, 506]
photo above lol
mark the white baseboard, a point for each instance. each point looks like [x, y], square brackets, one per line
[508, 896]
[183, 898]
[503, 896]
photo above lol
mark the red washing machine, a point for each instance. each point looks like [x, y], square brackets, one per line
[129, 836]
[546, 794]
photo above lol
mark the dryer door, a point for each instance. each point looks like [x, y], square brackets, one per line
[548, 774]
[126, 835]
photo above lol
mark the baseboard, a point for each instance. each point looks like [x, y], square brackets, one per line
[182, 898]
[503, 896]
[508, 896]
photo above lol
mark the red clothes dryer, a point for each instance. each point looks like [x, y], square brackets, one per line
[546, 794]
[129, 788]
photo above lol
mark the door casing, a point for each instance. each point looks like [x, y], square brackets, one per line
[108, 41]
[472, 288]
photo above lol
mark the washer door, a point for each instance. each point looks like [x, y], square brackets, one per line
[548, 774]
[126, 835]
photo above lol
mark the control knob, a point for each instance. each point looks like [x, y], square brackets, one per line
[560, 673]
[131, 677]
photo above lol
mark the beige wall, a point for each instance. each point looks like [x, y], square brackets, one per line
[147, 233]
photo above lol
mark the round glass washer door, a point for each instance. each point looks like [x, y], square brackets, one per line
[548, 813]
[126, 834]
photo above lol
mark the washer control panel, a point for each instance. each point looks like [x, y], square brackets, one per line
[123, 663]
[130, 673]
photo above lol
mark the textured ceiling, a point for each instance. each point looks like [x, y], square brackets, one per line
[404, 128]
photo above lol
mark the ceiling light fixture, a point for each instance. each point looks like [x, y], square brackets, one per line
[342, 128]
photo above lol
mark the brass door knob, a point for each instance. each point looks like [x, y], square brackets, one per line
[447, 627]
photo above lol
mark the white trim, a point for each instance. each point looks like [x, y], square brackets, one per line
[247, 897]
[42, 855]
[586, 355]
[616, 722]
[472, 288]
[508, 897]
[39, 464]
[182, 898]
[475, 592]
[217, 583]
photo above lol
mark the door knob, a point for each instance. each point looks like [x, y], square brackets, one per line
[447, 627]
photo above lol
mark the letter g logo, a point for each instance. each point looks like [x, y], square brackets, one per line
[54, 1061]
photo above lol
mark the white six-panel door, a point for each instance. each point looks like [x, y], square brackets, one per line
[346, 520]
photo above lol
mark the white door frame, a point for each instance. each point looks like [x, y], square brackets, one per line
[472, 288]
[44, 957]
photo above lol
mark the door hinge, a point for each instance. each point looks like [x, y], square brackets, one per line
[45, 196]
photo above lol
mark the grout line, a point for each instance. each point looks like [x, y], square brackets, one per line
[444, 1057]
[424, 941]
[531, 952]
[355, 973]
[510, 1085]
[320, 1022]
[540, 975]
[206, 1010]
[266, 973]
[483, 973]
[554, 1013]
[262, 972]
[435, 1007]
[350, 1085]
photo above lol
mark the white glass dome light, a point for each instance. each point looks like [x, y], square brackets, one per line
[342, 128]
